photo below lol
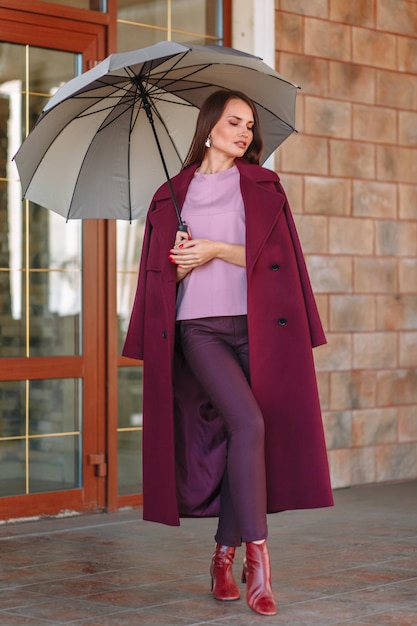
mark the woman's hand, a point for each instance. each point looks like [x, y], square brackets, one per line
[182, 236]
[196, 252]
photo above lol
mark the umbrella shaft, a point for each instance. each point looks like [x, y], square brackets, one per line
[148, 111]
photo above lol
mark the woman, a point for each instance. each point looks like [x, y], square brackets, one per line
[225, 319]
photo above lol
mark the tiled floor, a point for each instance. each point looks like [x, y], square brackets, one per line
[353, 564]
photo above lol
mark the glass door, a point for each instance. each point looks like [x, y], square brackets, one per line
[52, 294]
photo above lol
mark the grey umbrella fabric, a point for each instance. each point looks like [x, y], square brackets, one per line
[93, 154]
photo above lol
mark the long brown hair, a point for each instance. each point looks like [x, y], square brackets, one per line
[210, 113]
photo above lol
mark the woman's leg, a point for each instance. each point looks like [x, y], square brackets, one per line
[216, 350]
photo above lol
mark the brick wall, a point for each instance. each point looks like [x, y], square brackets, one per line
[351, 176]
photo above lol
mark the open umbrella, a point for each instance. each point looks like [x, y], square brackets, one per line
[109, 137]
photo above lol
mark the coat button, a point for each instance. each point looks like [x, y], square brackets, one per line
[282, 321]
[165, 334]
[275, 267]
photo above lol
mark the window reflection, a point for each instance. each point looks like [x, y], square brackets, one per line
[129, 246]
[40, 254]
[129, 435]
[40, 435]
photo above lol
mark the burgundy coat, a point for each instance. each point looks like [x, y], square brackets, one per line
[184, 441]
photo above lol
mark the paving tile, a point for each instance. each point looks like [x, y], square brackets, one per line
[8, 619]
[134, 618]
[62, 611]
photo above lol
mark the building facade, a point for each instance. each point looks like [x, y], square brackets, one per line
[70, 406]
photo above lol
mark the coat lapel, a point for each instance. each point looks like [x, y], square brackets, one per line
[264, 203]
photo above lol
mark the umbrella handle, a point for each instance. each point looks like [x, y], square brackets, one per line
[183, 227]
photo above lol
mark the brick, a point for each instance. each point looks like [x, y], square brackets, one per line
[407, 423]
[322, 301]
[397, 16]
[396, 312]
[373, 275]
[363, 470]
[352, 158]
[396, 238]
[396, 164]
[374, 426]
[352, 390]
[289, 32]
[395, 90]
[407, 54]
[299, 113]
[330, 274]
[396, 462]
[372, 199]
[340, 468]
[336, 355]
[323, 383]
[374, 124]
[374, 48]
[408, 202]
[301, 153]
[309, 73]
[374, 350]
[396, 387]
[318, 8]
[358, 12]
[350, 235]
[352, 82]
[327, 196]
[328, 117]
[312, 230]
[293, 187]
[352, 313]
[327, 39]
[408, 128]
[338, 429]
[407, 271]
[408, 349]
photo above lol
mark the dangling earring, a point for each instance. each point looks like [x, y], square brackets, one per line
[208, 142]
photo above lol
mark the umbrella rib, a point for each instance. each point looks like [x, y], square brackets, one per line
[162, 121]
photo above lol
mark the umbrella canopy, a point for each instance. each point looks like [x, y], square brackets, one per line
[93, 152]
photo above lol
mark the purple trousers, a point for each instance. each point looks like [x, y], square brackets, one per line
[216, 349]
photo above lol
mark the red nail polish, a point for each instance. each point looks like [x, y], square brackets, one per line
[181, 245]
[189, 237]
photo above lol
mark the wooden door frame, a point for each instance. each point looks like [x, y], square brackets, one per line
[60, 28]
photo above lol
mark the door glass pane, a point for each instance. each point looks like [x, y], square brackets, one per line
[40, 436]
[129, 247]
[40, 293]
[200, 17]
[40, 254]
[129, 435]
[143, 23]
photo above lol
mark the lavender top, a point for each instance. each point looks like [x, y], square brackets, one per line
[213, 209]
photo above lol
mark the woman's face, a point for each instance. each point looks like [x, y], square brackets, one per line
[232, 135]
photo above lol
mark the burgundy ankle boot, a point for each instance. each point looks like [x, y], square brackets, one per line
[257, 576]
[223, 584]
